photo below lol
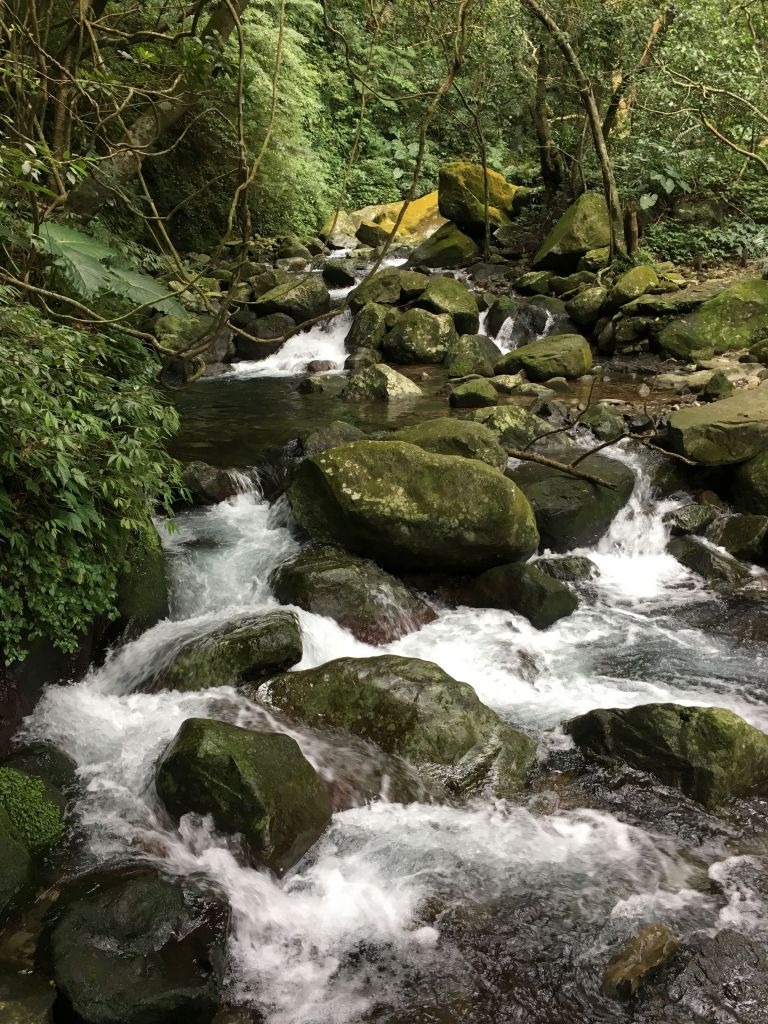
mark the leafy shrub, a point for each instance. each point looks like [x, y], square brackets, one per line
[684, 243]
[35, 821]
[82, 464]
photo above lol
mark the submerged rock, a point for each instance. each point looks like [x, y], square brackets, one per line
[379, 382]
[559, 355]
[447, 436]
[257, 784]
[644, 955]
[525, 589]
[410, 509]
[411, 708]
[134, 947]
[420, 337]
[447, 295]
[583, 227]
[374, 606]
[732, 430]
[709, 753]
[718, 570]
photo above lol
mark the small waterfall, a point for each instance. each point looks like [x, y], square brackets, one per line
[322, 342]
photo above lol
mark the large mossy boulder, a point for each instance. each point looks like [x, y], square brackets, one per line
[514, 426]
[461, 195]
[571, 512]
[137, 948]
[142, 591]
[604, 422]
[709, 753]
[388, 287]
[420, 337]
[302, 299]
[502, 309]
[631, 285]
[524, 589]
[472, 354]
[585, 308]
[330, 436]
[584, 226]
[243, 650]
[734, 319]
[743, 536]
[375, 607]
[473, 394]
[414, 709]
[447, 295]
[560, 355]
[749, 485]
[447, 247]
[447, 436]
[29, 814]
[718, 569]
[412, 510]
[369, 327]
[732, 430]
[379, 382]
[257, 784]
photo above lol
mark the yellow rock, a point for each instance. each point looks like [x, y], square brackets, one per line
[421, 219]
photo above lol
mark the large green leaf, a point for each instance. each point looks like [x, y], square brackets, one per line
[92, 272]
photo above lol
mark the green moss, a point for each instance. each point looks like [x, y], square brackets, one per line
[34, 820]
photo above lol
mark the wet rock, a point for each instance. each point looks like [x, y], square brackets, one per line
[569, 569]
[564, 285]
[535, 282]
[412, 510]
[749, 485]
[374, 606]
[16, 874]
[644, 955]
[718, 570]
[390, 287]
[322, 384]
[472, 354]
[340, 273]
[301, 299]
[257, 784]
[743, 536]
[691, 519]
[208, 485]
[269, 279]
[564, 355]
[447, 436]
[25, 998]
[732, 320]
[447, 247]
[53, 767]
[585, 307]
[732, 430]
[33, 819]
[336, 433]
[461, 192]
[134, 947]
[570, 512]
[631, 285]
[320, 366]
[270, 330]
[243, 650]
[514, 426]
[709, 753]
[447, 295]
[379, 382]
[604, 423]
[362, 358]
[413, 709]
[525, 589]
[420, 337]
[583, 227]
[508, 383]
[369, 327]
[503, 309]
[474, 394]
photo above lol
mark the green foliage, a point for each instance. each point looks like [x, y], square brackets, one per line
[82, 465]
[685, 243]
[34, 820]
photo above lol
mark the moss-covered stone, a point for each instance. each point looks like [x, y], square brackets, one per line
[368, 327]
[691, 519]
[34, 820]
[331, 436]
[534, 282]
[388, 287]
[410, 509]
[16, 872]
[709, 753]
[208, 485]
[370, 233]
[604, 423]
[447, 436]
[374, 606]
[595, 259]
[142, 591]
[718, 386]
[585, 308]
[731, 320]
[302, 299]
[447, 295]
[719, 570]
[461, 192]
[379, 382]
[562, 355]
[420, 337]
[749, 485]
[472, 354]
[473, 394]
[631, 285]
[732, 430]
[447, 247]
[254, 783]
[525, 589]
[514, 426]
[414, 709]
[584, 226]
[743, 536]
[569, 568]
[503, 309]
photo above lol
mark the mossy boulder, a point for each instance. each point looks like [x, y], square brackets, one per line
[267, 333]
[562, 355]
[749, 485]
[302, 299]
[447, 247]
[691, 519]
[379, 382]
[514, 426]
[709, 753]
[732, 430]
[388, 287]
[473, 394]
[570, 512]
[461, 195]
[243, 650]
[743, 536]
[142, 591]
[331, 436]
[135, 947]
[447, 295]
[16, 874]
[524, 589]
[414, 709]
[584, 226]
[472, 354]
[369, 326]
[410, 509]
[420, 337]
[569, 568]
[34, 820]
[257, 784]
[375, 607]
[733, 319]
[370, 233]
[719, 570]
[341, 273]
[604, 423]
[534, 282]
[631, 285]
[208, 485]
[586, 307]
[503, 309]
[447, 436]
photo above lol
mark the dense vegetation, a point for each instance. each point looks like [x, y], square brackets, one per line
[132, 136]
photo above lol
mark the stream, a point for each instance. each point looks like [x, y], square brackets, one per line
[484, 913]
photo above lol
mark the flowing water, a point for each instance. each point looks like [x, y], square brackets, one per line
[408, 913]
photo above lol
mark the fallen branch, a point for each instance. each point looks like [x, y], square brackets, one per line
[562, 467]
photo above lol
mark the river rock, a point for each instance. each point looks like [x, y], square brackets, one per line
[447, 436]
[709, 753]
[562, 355]
[570, 512]
[732, 430]
[25, 998]
[584, 226]
[340, 273]
[412, 510]
[749, 485]
[691, 519]
[473, 394]
[514, 426]
[724, 982]
[525, 589]
[643, 956]
[208, 485]
[336, 433]
[585, 307]
[369, 326]
[269, 331]
[461, 192]
[743, 536]
[569, 568]
[631, 285]
[370, 233]
[135, 947]
[414, 709]
[447, 295]
[472, 354]
[604, 423]
[389, 287]
[243, 650]
[734, 319]
[257, 784]
[718, 570]
[16, 874]
[534, 282]
[362, 358]
[503, 309]
[447, 247]
[374, 606]
[420, 337]
[379, 382]
[302, 299]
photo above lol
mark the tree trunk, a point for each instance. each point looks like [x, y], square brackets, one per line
[551, 165]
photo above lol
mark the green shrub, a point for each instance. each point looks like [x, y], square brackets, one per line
[34, 820]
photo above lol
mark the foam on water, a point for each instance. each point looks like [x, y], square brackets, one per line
[324, 341]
